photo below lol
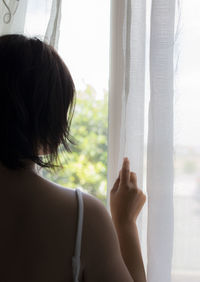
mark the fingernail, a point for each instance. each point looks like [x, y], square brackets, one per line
[125, 159]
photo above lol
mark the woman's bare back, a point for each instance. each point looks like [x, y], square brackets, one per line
[38, 230]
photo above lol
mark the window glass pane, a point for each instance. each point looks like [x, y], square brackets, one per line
[186, 258]
[84, 47]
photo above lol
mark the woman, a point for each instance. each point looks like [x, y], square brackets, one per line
[48, 232]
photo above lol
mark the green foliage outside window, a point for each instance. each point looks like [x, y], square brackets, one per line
[86, 166]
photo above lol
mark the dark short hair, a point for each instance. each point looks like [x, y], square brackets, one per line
[37, 100]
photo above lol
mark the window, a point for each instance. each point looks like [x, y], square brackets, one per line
[186, 257]
[84, 46]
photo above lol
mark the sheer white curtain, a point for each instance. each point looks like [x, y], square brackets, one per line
[126, 90]
[31, 17]
[12, 16]
[160, 141]
[126, 117]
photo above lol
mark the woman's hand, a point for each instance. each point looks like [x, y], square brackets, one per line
[126, 199]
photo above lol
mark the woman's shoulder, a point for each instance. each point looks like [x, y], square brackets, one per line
[57, 191]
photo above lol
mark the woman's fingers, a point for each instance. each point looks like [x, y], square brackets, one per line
[133, 177]
[116, 185]
[125, 173]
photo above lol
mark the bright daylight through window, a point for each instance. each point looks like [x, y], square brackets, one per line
[84, 46]
[186, 258]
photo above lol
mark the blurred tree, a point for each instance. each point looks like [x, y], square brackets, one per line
[86, 166]
[189, 167]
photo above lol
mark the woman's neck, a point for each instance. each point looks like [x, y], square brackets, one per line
[30, 167]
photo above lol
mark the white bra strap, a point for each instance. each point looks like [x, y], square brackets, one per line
[77, 253]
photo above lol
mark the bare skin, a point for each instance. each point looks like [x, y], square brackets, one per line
[126, 202]
[38, 228]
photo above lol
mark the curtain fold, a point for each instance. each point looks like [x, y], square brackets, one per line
[53, 29]
[23, 16]
[116, 78]
[160, 142]
[126, 87]
[126, 92]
